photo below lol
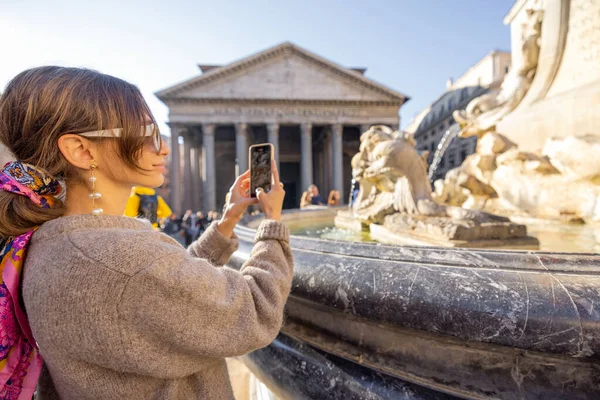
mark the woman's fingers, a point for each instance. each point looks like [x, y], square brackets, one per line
[240, 179]
[275, 173]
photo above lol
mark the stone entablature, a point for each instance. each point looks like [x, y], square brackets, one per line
[283, 113]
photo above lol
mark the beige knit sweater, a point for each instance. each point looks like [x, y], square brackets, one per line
[122, 312]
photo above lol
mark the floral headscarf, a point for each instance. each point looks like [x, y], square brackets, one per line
[20, 361]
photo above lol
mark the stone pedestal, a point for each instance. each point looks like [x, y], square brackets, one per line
[405, 229]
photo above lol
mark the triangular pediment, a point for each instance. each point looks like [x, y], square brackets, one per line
[285, 72]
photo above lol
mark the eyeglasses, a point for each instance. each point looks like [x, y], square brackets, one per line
[149, 131]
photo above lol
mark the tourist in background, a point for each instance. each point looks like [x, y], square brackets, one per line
[145, 203]
[311, 197]
[200, 224]
[172, 227]
[115, 309]
[334, 198]
[187, 225]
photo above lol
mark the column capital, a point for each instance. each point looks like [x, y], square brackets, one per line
[241, 128]
[337, 129]
[208, 129]
[306, 128]
[273, 127]
[178, 129]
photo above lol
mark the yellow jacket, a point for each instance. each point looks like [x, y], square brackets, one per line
[133, 204]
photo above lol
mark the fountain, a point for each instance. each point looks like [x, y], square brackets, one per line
[548, 171]
[451, 314]
[395, 203]
[448, 137]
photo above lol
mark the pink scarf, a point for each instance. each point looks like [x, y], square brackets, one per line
[20, 361]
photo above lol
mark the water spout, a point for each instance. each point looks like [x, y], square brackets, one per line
[450, 134]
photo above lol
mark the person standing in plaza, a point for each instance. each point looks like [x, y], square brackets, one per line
[145, 203]
[101, 306]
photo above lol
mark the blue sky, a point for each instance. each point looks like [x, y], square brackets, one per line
[411, 46]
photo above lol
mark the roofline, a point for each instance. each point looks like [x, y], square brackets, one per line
[482, 59]
[272, 51]
[242, 101]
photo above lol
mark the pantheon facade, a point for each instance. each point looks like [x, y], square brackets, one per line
[311, 109]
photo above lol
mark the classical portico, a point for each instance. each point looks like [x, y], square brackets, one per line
[311, 109]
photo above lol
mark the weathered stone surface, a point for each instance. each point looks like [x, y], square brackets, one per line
[546, 195]
[448, 191]
[448, 232]
[564, 96]
[493, 143]
[576, 157]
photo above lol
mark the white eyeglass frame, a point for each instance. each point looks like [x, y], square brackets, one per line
[117, 132]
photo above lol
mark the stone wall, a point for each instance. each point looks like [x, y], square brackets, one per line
[564, 98]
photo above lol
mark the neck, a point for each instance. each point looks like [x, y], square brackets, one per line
[113, 201]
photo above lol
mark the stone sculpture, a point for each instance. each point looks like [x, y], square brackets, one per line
[484, 112]
[395, 200]
[562, 183]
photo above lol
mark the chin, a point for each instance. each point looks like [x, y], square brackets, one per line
[152, 181]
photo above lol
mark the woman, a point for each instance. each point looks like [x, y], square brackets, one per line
[117, 310]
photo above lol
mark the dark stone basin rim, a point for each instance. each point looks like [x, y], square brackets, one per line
[530, 310]
[462, 368]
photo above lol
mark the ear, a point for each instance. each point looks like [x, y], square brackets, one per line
[77, 150]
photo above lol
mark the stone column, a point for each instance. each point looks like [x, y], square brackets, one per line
[364, 128]
[241, 147]
[175, 182]
[338, 159]
[188, 191]
[208, 167]
[273, 137]
[196, 177]
[307, 164]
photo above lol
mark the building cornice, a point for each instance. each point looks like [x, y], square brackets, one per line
[280, 102]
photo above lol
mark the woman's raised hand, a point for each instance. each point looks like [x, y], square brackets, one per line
[237, 201]
[272, 203]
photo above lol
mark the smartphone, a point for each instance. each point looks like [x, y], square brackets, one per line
[260, 156]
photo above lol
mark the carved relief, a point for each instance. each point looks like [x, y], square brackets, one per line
[581, 60]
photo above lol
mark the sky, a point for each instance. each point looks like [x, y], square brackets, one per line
[412, 46]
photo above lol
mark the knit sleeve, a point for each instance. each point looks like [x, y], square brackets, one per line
[181, 310]
[213, 246]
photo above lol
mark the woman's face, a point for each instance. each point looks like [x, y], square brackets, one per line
[152, 165]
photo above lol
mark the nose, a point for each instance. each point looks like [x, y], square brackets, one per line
[165, 150]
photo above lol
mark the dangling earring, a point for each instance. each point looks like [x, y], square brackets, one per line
[94, 195]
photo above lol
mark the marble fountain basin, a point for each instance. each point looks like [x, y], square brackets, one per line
[375, 321]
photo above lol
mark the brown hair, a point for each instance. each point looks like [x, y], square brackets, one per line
[40, 105]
